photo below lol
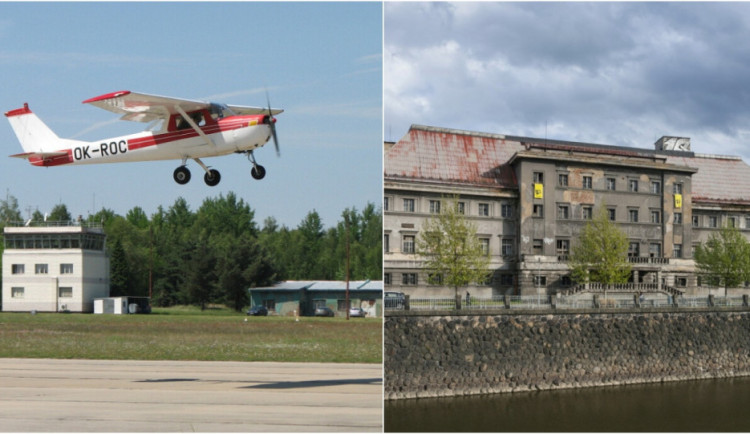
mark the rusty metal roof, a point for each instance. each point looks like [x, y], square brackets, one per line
[720, 179]
[482, 159]
[454, 156]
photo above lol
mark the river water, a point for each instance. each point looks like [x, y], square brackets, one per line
[685, 406]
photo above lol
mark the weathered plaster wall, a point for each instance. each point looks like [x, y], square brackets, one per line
[430, 356]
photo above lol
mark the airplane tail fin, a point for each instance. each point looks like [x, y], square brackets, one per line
[34, 135]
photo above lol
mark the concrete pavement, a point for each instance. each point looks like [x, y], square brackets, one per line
[45, 395]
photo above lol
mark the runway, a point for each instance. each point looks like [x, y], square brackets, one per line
[44, 395]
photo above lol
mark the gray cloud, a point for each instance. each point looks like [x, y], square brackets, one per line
[616, 73]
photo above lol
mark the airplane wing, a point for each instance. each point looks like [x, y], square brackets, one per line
[141, 107]
[245, 110]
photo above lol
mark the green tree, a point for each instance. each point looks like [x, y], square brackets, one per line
[119, 271]
[59, 213]
[724, 259]
[448, 242]
[601, 254]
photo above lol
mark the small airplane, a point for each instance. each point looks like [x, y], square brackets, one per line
[179, 129]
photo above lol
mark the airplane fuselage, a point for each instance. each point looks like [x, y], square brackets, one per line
[226, 136]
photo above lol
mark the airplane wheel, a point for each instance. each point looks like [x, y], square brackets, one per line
[182, 175]
[212, 177]
[258, 172]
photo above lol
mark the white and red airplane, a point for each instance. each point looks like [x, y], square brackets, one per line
[180, 129]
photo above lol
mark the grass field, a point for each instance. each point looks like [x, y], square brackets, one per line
[185, 333]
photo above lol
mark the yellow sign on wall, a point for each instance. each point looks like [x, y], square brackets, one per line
[538, 191]
[678, 200]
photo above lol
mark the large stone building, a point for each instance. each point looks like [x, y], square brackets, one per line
[530, 198]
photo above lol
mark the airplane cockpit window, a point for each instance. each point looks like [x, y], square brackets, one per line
[220, 111]
[197, 117]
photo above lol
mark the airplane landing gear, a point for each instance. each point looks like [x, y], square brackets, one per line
[258, 172]
[182, 175]
[212, 177]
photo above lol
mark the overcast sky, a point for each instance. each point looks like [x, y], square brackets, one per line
[320, 62]
[612, 73]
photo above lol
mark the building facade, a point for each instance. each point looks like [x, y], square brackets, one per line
[530, 198]
[302, 297]
[54, 268]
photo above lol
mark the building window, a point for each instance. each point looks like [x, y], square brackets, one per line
[538, 211]
[612, 214]
[713, 222]
[484, 209]
[588, 212]
[696, 221]
[562, 179]
[65, 292]
[16, 292]
[409, 205]
[678, 218]
[654, 250]
[540, 280]
[386, 243]
[506, 279]
[747, 222]
[506, 211]
[677, 188]
[461, 207]
[386, 203]
[507, 247]
[386, 278]
[41, 269]
[678, 250]
[633, 215]
[434, 207]
[680, 282]
[587, 182]
[435, 279]
[408, 246]
[566, 280]
[538, 178]
[536, 247]
[563, 212]
[634, 250]
[341, 305]
[563, 247]
[66, 268]
[409, 278]
[611, 184]
[655, 187]
[17, 269]
[732, 222]
[655, 216]
[485, 245]
[633, 185]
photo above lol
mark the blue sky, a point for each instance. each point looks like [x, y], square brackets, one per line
[321, 63]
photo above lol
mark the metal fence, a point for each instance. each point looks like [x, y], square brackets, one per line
[529, 302]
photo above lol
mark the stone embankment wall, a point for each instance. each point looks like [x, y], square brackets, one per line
[430, 356]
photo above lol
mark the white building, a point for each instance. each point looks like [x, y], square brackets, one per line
[54, 268]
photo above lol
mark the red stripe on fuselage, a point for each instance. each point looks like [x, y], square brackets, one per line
[227, 124]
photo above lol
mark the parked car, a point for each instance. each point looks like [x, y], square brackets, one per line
[323, 311]
[258, 311]
[394, 300]
[357, 312]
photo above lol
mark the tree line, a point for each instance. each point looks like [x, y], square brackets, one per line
[215, 253]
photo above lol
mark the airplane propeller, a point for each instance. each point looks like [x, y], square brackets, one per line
[273, 126]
